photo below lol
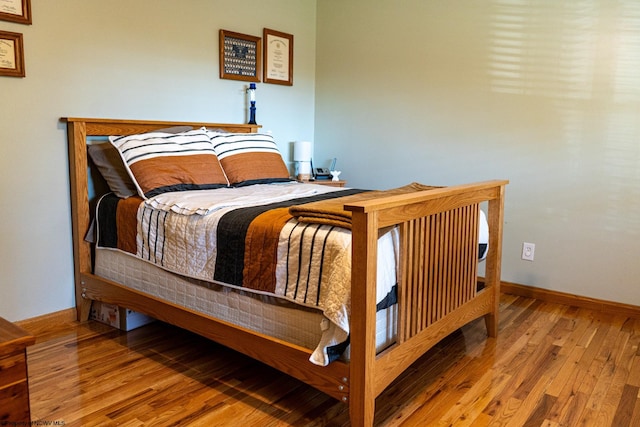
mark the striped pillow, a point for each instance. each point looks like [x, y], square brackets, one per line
[160, 162]
[249, 158]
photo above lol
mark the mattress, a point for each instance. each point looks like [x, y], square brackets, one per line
[260, 313]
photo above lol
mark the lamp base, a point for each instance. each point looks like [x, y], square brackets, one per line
[303, 168]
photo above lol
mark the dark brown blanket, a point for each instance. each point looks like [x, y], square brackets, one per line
[332, 212]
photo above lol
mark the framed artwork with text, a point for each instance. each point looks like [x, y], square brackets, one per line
[16, 11]
[11, 54]
[278, 57]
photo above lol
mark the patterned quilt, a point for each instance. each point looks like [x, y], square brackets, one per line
[247, 238]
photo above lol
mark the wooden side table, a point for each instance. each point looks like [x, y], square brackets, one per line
[14, 381]
[329, 182]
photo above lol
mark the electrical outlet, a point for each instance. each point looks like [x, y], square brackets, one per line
[528, 251]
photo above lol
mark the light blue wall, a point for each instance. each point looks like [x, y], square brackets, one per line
[543, 93]
[142, 59]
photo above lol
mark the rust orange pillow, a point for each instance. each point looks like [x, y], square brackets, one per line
[249, 158]
[160, 162]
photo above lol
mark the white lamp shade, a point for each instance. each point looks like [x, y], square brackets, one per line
[302, 151]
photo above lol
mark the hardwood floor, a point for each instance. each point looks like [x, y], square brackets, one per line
[552, 365]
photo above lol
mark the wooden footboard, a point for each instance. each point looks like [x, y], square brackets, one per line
[437, 287]
[438, 279]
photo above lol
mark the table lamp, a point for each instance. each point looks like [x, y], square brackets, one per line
[302, 156]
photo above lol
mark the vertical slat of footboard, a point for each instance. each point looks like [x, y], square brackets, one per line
[466, 267]
[404, 292]
[421, 315]
[434, 250]
[443, 295]
[439, 272]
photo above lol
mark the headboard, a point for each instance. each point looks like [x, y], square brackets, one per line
[78, 129]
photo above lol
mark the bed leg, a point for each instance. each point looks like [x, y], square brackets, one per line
[83, 308]
[491, 318]
[491, 321]
[362, 416]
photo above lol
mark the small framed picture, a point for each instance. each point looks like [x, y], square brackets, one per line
[16, 11]
[11, 54]
[278, 57]
[240, 56]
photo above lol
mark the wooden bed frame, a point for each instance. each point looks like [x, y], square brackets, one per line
[437, 291]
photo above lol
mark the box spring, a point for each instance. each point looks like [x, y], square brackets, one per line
[268, 315]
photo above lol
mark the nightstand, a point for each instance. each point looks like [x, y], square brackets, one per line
[14, 381]
[329, 182]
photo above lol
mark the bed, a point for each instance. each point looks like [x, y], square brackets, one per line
[436, 292]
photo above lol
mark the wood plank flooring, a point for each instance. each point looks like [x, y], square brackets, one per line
[552, 365]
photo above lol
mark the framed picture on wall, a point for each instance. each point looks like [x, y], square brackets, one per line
[11, 54]
[278, 57]
[16, 11]
[240, 56]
